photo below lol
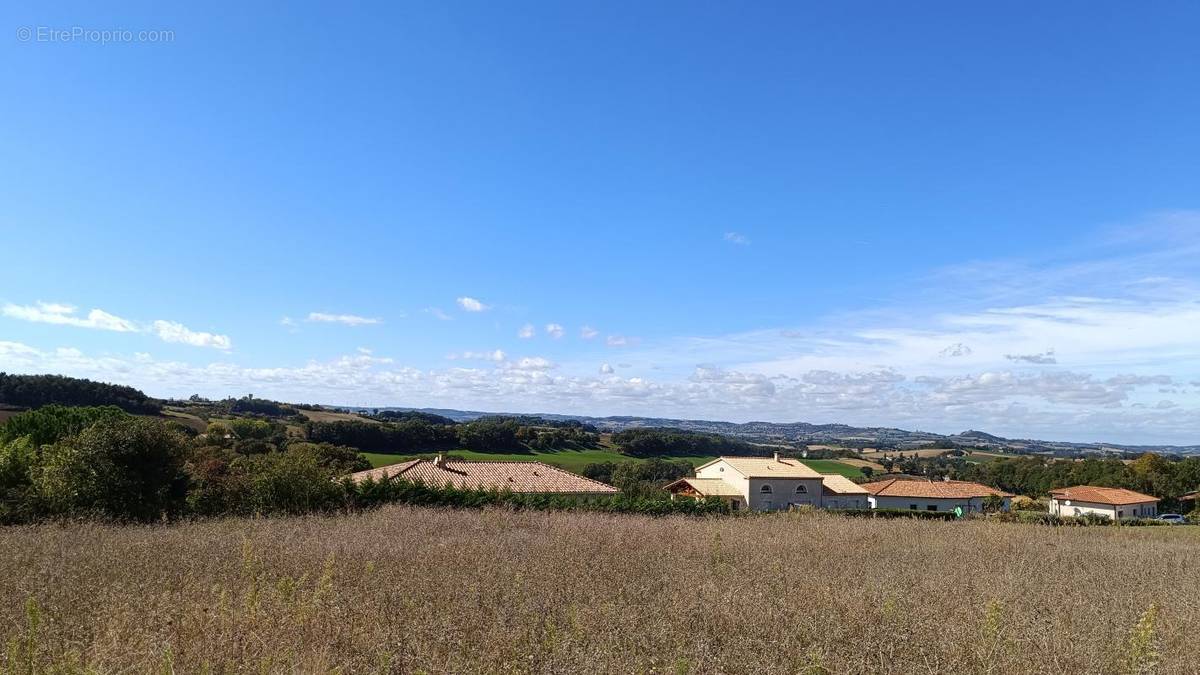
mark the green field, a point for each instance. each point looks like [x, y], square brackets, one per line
[834, 466]
[576, 460]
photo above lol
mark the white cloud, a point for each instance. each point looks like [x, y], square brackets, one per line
[1120, 407]
[1044, 358]
[438, 314]
[469, 304]
[587, 332]
[533, 363]
[62, 314]
[345, 319]
[555, 330]
[65, 315]
[737, 238]
[955, 350]
[287, 321]
[620, 341]
[170, 331]
[606, 369]
[496, 356]
[527, 331]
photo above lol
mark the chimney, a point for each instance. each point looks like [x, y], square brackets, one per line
[777, 457]
[440, 461]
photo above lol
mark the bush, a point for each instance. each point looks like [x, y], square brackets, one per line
[128, 468]
[897, 513]
[288, 483]
[52, 423]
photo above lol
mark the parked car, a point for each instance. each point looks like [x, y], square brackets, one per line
[1173, 519]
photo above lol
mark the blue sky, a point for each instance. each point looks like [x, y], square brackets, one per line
[936, 216]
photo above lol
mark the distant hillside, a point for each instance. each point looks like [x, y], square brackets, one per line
[840, 434]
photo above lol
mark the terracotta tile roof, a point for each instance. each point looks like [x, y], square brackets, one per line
[525, 477]
[1102, 495]
[708, 487]
[840, 485]
[926, 489]
[766, 467]
[382, 472]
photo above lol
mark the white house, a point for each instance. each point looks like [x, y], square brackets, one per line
[770, 484]
[929, 495]
[1114, 503]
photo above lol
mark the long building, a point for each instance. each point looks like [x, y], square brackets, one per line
[518, 477]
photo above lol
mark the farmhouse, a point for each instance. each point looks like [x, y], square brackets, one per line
[1114, 503]
[927, 495]
[769, 484]
[519, 477]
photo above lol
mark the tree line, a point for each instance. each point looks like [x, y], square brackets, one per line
[664, 442]
[33, 391]
[416, 434]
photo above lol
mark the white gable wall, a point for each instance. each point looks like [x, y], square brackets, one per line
[1075, 508]
[972, 505]
[722, 470]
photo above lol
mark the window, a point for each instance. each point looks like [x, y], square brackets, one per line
[912, 507]
[802, 489]
[931, 507]
[766, 489]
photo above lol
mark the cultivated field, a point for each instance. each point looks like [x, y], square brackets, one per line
[441, 591]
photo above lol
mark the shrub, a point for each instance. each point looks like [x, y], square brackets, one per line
[898, 513]
[288, 482]
[52, 423]
[128, 468]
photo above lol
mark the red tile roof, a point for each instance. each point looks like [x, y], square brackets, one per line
[383, 472]
[926, 489]
[525, 477]
[1102, 495]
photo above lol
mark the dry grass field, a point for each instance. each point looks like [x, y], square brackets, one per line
[405, 590]
[331, 416]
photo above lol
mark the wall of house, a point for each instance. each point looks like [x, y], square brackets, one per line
[726, 473]
[783, 493]
[973, 505]
[1123, 512]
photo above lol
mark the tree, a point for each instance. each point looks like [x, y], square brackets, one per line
[51, 423]
[128, 468]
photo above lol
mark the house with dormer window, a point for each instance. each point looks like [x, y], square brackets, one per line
[770, 484]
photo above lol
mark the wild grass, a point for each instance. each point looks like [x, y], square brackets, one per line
[410, 590]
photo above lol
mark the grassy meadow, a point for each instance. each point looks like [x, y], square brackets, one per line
[405, 590]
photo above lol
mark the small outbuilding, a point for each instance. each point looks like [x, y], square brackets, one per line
[1114, 503]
